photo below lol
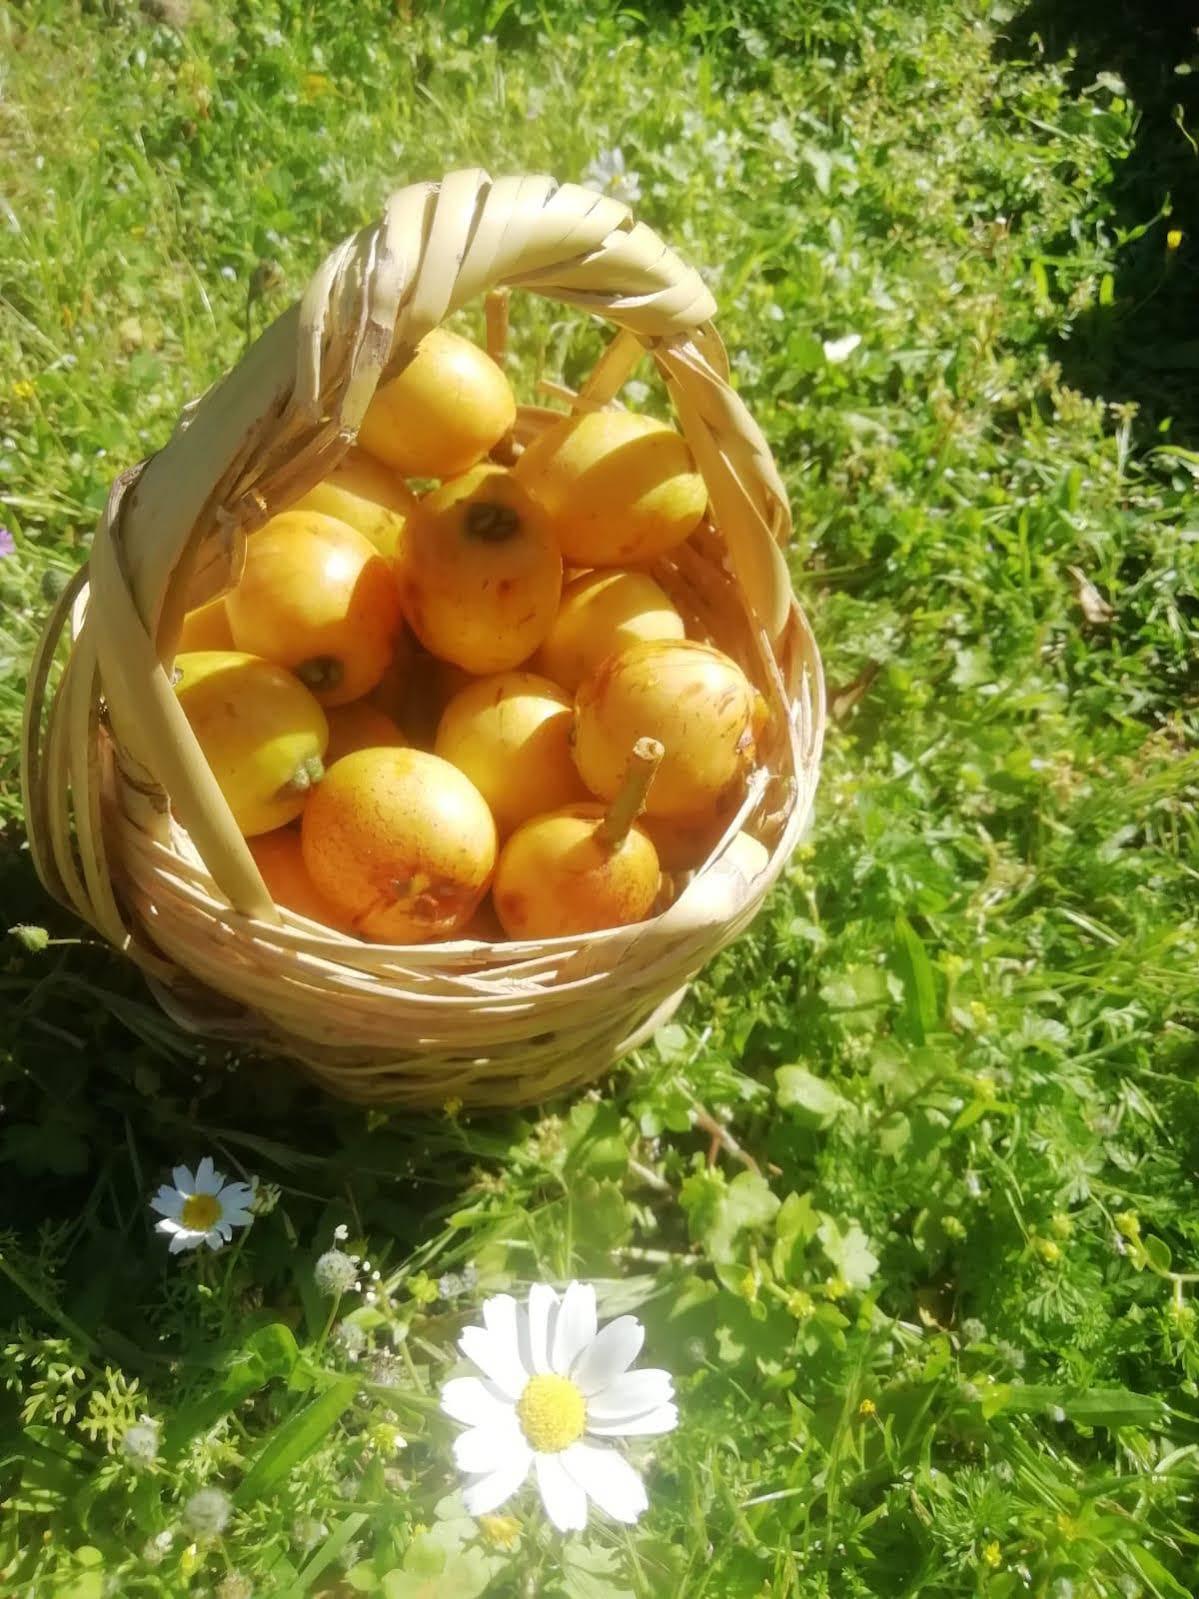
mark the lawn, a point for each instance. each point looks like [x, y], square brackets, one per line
[906, 1196]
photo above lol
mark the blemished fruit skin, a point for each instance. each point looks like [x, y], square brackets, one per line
[367, 496]
[510, 733]
[262, 733]
[207, 628]
[556, 876]
[280, 859]
[439, 416]
[317, 597]
[619, 488]
[601, 613]
[402, 845]
[480, 577]
[688, 695]
[360, 726]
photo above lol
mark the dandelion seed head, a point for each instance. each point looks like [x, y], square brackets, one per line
[335, 1274]
[307, 1532]
[140, 1443]
[156, 1549]
[383, 1369]
[207, 1511]
[350, 1339]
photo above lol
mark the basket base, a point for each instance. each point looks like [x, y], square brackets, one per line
[524, 1074]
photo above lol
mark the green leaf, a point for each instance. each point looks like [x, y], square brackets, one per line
[1096, 1407]
[592, 1573]
[1157, 1252]
[801, 1090]
[595, 1142]
[329, 1551]
[794, 1228]
[1116, 1407]
[856, 988]
[919, 984]
[89, 1586]
[600, 1219]
[269, 1353]
[893, 1131]
[847, 1246]
[720, 1214]
[428, 1573]
[1162, 1584]
[295, 1439]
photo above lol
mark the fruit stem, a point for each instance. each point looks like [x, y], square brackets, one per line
[306, 775]
[630, 799]
[321, 673]
[491, 522]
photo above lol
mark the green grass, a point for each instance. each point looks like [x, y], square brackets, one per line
[926, 1301]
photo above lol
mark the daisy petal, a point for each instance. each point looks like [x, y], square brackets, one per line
[499, 1315]
[168, 1202]
[607, 1478]
[507, 1322]
[565, 1502]
[214, 1240]
[574, 1328]
[183, 1240]
[664, 1419]
[490, 1492]
[485, 1449]
[543, 1313]
[631, 1395]
[237, 1196]
[496, 1358]
[208, 1179]
[183, 1180]
[612, 1351]
[168, 1224]
[473, 1402]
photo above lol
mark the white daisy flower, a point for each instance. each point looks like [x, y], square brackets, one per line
[552, 1388]
[201, 1208]
[609, 175]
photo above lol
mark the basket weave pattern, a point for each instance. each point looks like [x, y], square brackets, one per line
[127, 826]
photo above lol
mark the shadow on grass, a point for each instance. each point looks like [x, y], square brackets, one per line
[100, 1094]
[1144, 346]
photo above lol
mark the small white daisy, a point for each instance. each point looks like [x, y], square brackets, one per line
[609, 175]
[551, 1385]
[201, 1209]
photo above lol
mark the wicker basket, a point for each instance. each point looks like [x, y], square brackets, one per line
[127, 826]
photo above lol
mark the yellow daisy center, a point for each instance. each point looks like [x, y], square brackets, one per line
[552, 1412]
[200, 1212]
